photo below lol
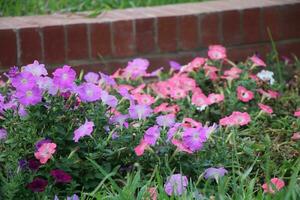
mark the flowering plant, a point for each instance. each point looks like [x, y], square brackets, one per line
[188, 120]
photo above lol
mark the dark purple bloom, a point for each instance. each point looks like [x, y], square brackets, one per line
[23, 164]
[61, 176]
[176, 185]
[37, 185]
[174, 65]
[215, 173]
[34, 164]
[152, 134]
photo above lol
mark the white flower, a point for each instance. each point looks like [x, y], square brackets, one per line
[266, 75]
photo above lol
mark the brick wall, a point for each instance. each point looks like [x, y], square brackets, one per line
[177, 32]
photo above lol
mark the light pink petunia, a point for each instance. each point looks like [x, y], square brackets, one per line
[236, 118]
[257, 61]
[297, 113]
[180, 146]
[216, 52]
[265, 108]
[83, 130]
[144, 99]
[243, 94]
[36, 69]
[45, 152]
[296, 136]
[276, 184]
[140, 149]
[215, 98]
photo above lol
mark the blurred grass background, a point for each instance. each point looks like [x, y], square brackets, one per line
[38, 7]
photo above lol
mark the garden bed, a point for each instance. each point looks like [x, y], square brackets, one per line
[210, 129]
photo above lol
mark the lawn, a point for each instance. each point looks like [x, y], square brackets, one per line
[37, 7]
[207, 129]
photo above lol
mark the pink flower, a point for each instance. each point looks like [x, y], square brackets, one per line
[144, 99]
[243, 94]
[215, 98]
[138, 89]
[196, 64]
[161, 108]
[45, 152]
[216, 52]
[64, 77]
[139, 150]
[180, 146]
[153, 193]
[178, 93]
[211, 72]
[257, 61]
[265, 108]
[297, 113]
[232, 74]
[200, 100]
[269, 94]
[190, 123]
[83, 130]
[236, 118]
[296, 136]
[276, 184]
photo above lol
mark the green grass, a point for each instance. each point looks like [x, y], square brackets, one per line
[35, 7]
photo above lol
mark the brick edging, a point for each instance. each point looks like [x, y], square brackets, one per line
[148, 32]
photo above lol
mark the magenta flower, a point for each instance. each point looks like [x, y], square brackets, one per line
[136, 68]
[83, 130]
[166, 120]
[23, 81]
[194, 138]
[176, 185]
[107, 79]
[61, 176]
[109, 100]
[172, 131]
[30, 96]
[139, 111]
[151, 135]
[216, 52]
[276, 183]
[89, 92]
[64, 77]
[37, 185]
[91, 77]
[265, 108]
[174, 65]
[34, 164]
[36, 69]
[214, 173]
[3, 134]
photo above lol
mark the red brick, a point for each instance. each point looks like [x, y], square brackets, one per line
[188, 32]
[77, 45]
[231, 27]
[123, 38]
[209, 29]
[8, 48]
[54, 44]
[100, 40]
[243, 52]
[271, 18]
[31, 48]
[145, 36]
[167, 33]
[289, 49]
[291, 21]
[252, 25]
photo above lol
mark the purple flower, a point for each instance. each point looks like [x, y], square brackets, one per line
[30, 96]
[91, 77]
[36, 69]
[115, 135]
[3, 134]
[136, 68]
[151, 135]
[107, 79]
[215, 173]
[194, 138]
[110, 100]
[83, 130]
[176, 185]
[23, 164]
[61, 176]
[120, 119]
[74, 197]
[172, 131]
[139, 111]
[13, 72]
[23, 81]
[125, 94]
[166, 120]
[34, 164]
[174, 65]
[89, 92]
[64, 77]
[37, 185]
[22, 111]
[155, 72]
[46, 84]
